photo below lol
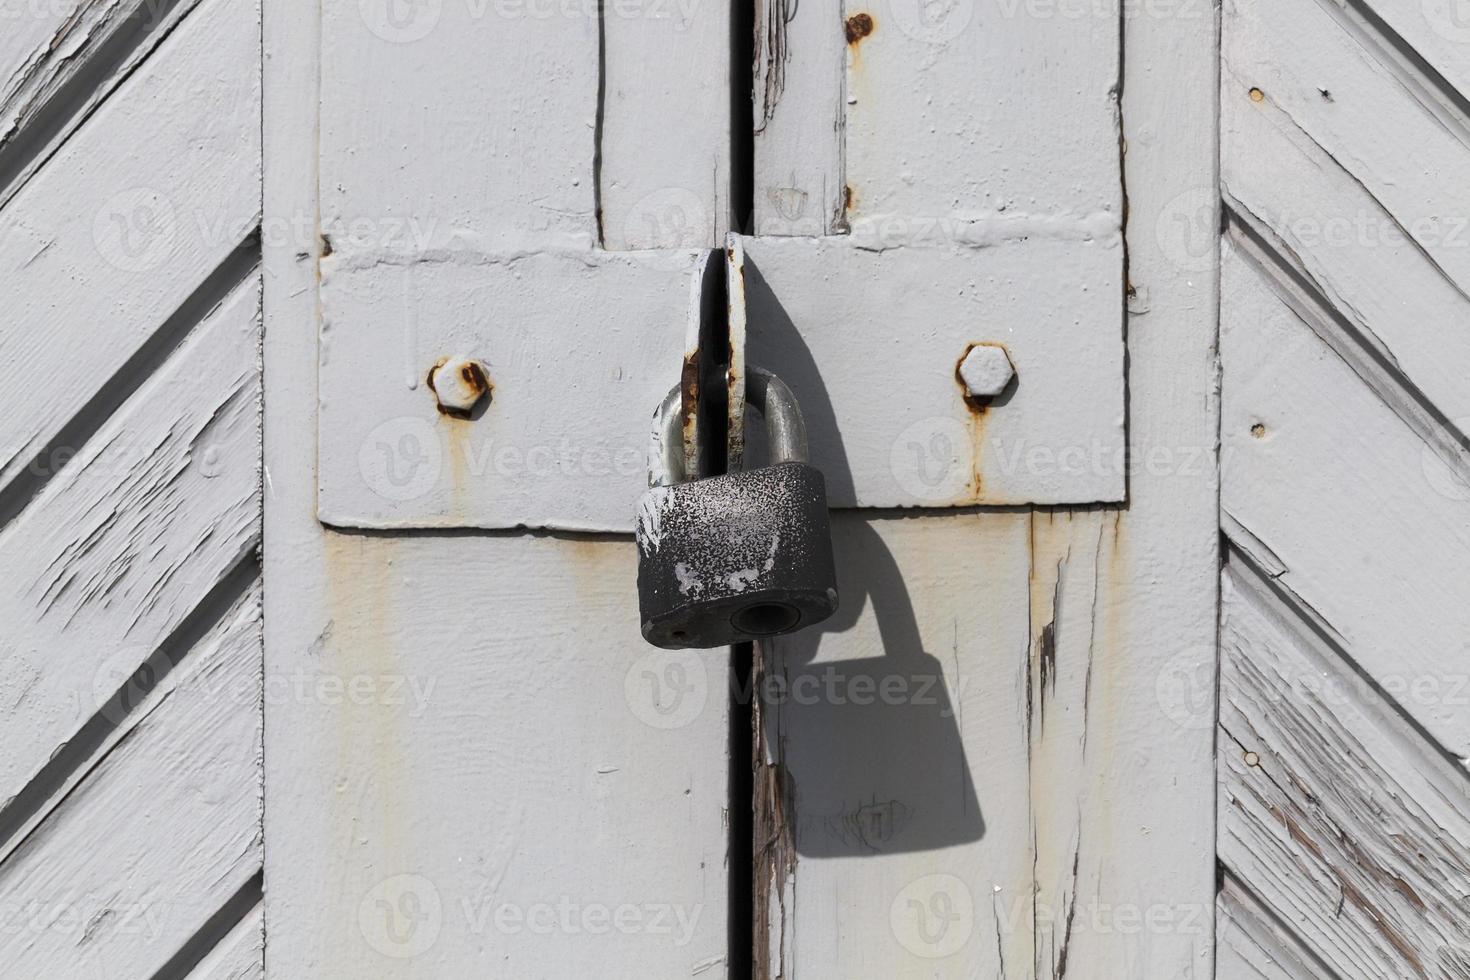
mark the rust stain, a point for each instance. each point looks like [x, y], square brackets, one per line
[848, 198]
[858, 26]
[979, 414]
[475, 378]
[773, 832]
[689, 403]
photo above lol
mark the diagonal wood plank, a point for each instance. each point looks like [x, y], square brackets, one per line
[149, 197]
[1342, 500]
[1333, 808]
[131, 536]
[59, 62]
[164, 830]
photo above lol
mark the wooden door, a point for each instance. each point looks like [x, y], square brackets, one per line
[1221, 250]
[538, 188]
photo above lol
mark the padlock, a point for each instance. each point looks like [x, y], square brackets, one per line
[741, 556]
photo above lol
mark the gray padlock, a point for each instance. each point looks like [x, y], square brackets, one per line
[737, 557]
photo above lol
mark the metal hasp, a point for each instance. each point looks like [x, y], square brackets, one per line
[738, 557]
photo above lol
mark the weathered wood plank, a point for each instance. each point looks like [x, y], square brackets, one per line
[131, 535]
[59, 61]
[664, 145]
[1333, 808]
[1254, 946]
[1338, 527]
[798, 119]
[493, 108]
[458, 786]
[1312, 158]
[967, 111]
[164, 830]
[1423, 40]
[99, 249]
[899, 726]
[858, 333]
[240, 955]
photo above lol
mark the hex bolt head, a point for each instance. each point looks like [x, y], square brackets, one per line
[986, 370]
[460, 385]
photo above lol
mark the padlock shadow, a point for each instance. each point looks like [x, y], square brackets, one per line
[872, 744]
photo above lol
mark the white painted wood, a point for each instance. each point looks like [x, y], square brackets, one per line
[240, 955]
[1254, 945]
[1379, 232]
[664, 179]
[101, 247]
[1119, 775]
[510, 637]
[59, 61]
[493, 112]
[798, 119]
[159, 505]
[870, 342]
[966, 113]
[1423, 40]
[1332, 807]
[1336, 491]
[580, 348]
[162, 832]
[902, 730]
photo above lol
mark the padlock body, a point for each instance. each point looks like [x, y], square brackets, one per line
[735, 558]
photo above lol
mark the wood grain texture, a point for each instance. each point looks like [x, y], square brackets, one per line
[900, 727]
[798, 119]
[1310, 451]
[59, 62]
[1333, 808]
[1314, 166]
[527, 771]
[160, 504]
[240, 955]
[961, 111]
[162, 832]
[1110, 690]
[102, 246]
[664, 142]
[1255, 946]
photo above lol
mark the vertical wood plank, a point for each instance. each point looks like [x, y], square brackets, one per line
[664, 150]
[519, 789]
[798, 118]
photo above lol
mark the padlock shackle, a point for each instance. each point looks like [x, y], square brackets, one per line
[766, 393]
[785, 429]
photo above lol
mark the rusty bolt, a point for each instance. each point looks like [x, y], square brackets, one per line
[986, 370]
[460, 384]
